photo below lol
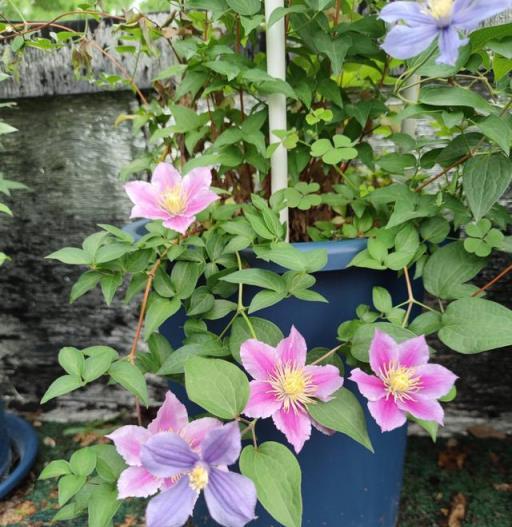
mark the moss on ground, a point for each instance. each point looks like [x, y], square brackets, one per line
[454, 483]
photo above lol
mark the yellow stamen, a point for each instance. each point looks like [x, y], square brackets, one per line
[440, 9]
[292, 386]
[173, 200]
[198, 478]
[400, 382]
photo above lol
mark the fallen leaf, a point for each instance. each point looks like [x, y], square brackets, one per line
[486, 432]
[49, 441]
[457, 510]
[503, 487]
[16, 513]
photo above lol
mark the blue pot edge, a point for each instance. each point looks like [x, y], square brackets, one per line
[339, 252]
[23, 435]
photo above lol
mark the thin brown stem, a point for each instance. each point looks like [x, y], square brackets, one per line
[326, 355]
[410, 297]
[497, 278]
[337, 13]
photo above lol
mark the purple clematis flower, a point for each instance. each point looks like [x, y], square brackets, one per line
[230, 497]
[284, 385]
[403, 382]
[424, 21]
[136, 481]
[170, 197]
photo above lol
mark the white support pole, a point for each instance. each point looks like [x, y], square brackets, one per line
[411, 94]
[276, 67]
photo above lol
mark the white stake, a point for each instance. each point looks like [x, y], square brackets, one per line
[411, 94]
[276, 67]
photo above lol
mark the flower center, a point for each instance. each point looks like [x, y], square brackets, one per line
[198, 478]
[173, 200]
[401, 382]
[440, 9]
[292, 386]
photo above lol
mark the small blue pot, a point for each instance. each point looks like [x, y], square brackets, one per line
[343, 484]
[17, 436]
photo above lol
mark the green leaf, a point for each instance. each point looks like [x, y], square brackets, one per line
[201, 301]
[447, 270]
[382, 299]
[103, 505]
[245, 7]
[265, 330]
[335, 49]
[130, 378]
[184, 277]
[112, 251]
[364, 334]
[55, 469]
[61, 386]
[217, 385]
[69, 485]
[276, 473]
[264, 299]
[83, 461]
[473, 325]
[109, 464]
[344, 414]
[258, 278]
[84, 284]
[485, 179]
[290, 257]
[452, 96]
[426, 323]
[281, 12]
[99, 361]
[159, 310]
[109, 285]
[72, 361]
[497, 130]
[71, 255]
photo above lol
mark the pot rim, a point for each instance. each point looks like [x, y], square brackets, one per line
[339, 252]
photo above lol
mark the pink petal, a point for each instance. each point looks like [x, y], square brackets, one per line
[194, 433]
[145, 198]
[179, 223]
[171, 417]
[258, 358]
[128, 441]
[197, 181]
[429, 410]
[200, 202]
[369, 385]
[383, 351]
[436, 381]
[322, 428]
[262, 400]
[137, 482]
[387, 414]
[295, 425]
[413, 352]
[325, 379]
[165, 176]
[292, 349]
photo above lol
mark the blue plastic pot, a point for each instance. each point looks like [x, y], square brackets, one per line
[343, 484]
[19, 438]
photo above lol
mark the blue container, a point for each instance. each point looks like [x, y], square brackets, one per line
[343, 484]
[5, 444]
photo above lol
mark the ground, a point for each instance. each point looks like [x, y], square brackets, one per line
[457, 482]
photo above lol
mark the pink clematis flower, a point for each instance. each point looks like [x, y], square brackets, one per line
[403, 382]
[136, 481]
[170, 197]
[284, 385]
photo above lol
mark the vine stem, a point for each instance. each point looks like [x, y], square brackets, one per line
[326, 355]
[498, 277]
[410, 297]
[252, 427]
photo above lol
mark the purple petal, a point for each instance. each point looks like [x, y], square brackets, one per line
[222, 446]
[166, 455]
[429, 410]
[179, 223]
[231, 498]
[383, 352]
[435, 381]
[137, 482]
[325, 379]
[171, 417]
[195, 432]
[468, 14]
[128, 441]
[173, 507]
[295, 425]
[292, 349]
[449, 44]
[165, 176]
[262, 400]
[369, 385]
[413, 352]
[404, 42]
[409, 12]
[258, 358]
[387, 414]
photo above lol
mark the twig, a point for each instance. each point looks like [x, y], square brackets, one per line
[498, 277]
[326, 355]
[410, 297]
